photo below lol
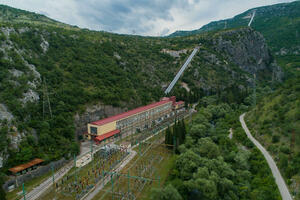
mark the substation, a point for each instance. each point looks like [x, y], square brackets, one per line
[135, 131]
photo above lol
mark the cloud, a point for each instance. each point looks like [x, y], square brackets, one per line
[143, 17]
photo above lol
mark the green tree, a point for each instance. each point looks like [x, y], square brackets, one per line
[205, 147]
[2, 192]
[167, 193]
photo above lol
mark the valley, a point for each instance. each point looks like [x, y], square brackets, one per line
[152, 117]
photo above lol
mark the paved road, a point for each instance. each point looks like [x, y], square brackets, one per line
[285, 194]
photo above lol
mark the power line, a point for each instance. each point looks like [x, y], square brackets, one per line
[46, 98]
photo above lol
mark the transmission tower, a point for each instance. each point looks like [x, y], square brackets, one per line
[46, 100]
[254, 91]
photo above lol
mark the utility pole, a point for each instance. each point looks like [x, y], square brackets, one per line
[254, 91]
[254, 97]
[190, 114]
[24, 192]
[140, 148]
[91, 149]
[75, 168]
[159, 181]
[46, 98]
[44, 92]
[174, 143]
[128, 176]
[52, 169]
[292, 146]
[112, 186]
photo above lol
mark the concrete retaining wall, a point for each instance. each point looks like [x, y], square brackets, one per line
[40, 171]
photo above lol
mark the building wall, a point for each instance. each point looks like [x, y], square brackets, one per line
[144, 119]
[138, 120]
[150, 112]
[102, 129]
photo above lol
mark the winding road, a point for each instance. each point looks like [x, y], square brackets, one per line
[285, 194]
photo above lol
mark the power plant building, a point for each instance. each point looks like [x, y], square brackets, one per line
[134, 120]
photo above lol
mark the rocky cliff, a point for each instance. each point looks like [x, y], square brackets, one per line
[229, 59]
[94, 113]
[49, 73]
[248, 50]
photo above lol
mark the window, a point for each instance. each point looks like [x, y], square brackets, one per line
[93, 130]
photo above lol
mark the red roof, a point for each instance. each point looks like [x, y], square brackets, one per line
[179, 102]
[107, 135]
[22, 167]
[129, 113]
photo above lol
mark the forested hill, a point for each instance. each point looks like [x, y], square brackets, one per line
[71, 69]
[275, 122]
[280, 24]
[9, 14]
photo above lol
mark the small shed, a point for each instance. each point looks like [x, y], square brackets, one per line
[22, 169]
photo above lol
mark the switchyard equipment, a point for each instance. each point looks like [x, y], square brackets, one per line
[130, 182]
[126, 181]
[80, 180]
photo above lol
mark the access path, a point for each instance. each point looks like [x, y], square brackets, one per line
[283, 189]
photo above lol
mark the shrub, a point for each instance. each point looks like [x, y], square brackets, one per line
[275, 138]
[285, 149]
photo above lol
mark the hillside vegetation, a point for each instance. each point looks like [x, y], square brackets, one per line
[275, 122]
[21, 16]
[280, 25]
[212, 166]
[49, 73]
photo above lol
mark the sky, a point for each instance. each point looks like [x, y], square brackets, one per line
[141, 17]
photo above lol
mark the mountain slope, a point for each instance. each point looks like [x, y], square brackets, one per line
[280, 25]
[50, 74]
[276, 124]
[9, 15]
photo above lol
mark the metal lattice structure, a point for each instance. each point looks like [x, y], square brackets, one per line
[130, 182]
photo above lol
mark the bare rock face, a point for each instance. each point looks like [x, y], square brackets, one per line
[94, 113]
[7, 30]
[44, 45]
[175, 54]
[16, 73]
[15, 138]
[30, 96]
[5, 114]
[247, 49]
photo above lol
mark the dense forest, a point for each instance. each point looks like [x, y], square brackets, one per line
[211, 165]
[50, 72]
[279, 24]
[275, 123]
